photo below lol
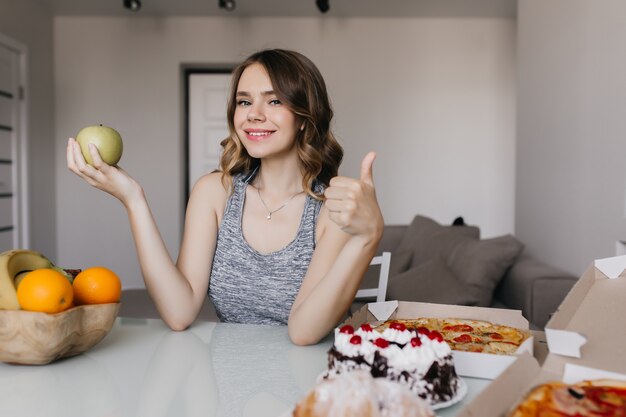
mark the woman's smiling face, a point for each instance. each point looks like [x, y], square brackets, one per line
[265, 126]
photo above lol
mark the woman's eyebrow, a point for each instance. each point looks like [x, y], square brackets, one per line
[263, 93]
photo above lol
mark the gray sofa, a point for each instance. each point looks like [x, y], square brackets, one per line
[452, 265]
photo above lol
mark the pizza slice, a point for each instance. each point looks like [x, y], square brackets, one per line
[468, 335]
[592, 398]
[501, 348]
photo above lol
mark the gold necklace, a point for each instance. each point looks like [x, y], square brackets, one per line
[270, 212]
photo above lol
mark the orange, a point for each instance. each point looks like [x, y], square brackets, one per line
[97, 285]
[45, 290]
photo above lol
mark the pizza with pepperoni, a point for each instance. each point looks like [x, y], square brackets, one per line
[594, 398]
[468, 335]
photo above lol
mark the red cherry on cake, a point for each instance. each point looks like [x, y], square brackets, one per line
[423, 330]
[346, 329]
[355, 340]
[416, 342]
[435, 335]
[398, 326]
[366, 327]
[381, 343]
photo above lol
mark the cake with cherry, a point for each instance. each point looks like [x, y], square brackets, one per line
[419, 359]
[358, 394]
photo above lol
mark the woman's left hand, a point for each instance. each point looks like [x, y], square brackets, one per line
[352, 203]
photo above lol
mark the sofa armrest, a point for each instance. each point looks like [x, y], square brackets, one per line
[535, 288]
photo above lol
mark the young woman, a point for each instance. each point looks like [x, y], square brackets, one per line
[274, 236]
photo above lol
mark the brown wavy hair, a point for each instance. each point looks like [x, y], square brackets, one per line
[299, 86]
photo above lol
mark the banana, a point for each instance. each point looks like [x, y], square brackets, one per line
[13, 263]
[19, 277]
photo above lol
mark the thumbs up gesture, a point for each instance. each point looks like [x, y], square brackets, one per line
[352, 203]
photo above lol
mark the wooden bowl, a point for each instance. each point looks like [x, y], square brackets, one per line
[33, 338]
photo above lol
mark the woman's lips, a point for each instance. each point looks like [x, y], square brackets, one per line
[257, 135]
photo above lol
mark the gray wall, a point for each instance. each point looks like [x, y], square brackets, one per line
[571, 135]
[26, 22]
[435, 97]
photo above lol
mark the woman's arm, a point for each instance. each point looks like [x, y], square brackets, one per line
[178, 290]
[352, 227]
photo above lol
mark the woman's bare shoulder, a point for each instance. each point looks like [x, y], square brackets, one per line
[212, 182]
[211, 190]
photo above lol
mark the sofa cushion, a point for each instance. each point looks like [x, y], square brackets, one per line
[441, 242]
[431, 282]
[481, 264]
[416, 246]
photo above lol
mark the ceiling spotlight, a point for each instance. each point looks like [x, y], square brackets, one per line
[132, 5]
[227, 5]
[322, 5]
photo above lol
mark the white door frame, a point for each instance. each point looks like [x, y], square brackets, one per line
[188, 71]
[20, 181]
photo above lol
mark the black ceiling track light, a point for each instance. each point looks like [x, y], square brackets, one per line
[132, 5]
[227, 5]
[322, 5]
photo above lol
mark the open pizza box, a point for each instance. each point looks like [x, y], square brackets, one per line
[511, 386]
[593, 308]
[471, 364]
[585, 338]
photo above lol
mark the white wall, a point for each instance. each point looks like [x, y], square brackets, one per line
[571, 140]
[26, 22]
[434, 97]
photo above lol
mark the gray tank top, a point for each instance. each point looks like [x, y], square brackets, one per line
[250, 287]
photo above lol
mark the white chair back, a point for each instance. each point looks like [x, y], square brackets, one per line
[379, 292]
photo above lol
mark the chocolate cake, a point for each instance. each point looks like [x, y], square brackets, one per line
[420, 360]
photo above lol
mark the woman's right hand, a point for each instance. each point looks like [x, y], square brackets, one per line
[111, 179]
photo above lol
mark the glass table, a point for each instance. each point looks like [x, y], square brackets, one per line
[143, 369]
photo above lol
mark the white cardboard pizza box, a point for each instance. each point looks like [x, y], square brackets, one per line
[511, 386]
[593, 311]
[592, 306]
[471, 364]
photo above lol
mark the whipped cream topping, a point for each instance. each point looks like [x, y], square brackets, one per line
[403, 358]
[398, 336]
[418, 358]
[344, 346]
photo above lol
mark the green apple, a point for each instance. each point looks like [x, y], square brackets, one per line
[107, 140]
